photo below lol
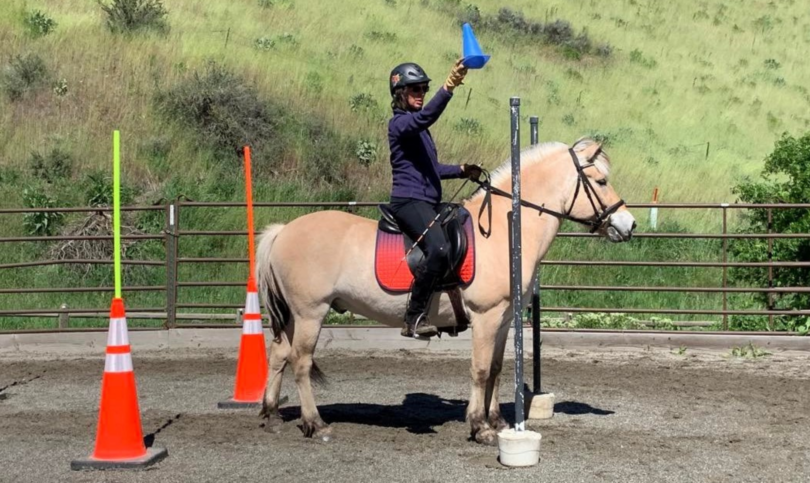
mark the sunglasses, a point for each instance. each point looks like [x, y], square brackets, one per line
[419, 89]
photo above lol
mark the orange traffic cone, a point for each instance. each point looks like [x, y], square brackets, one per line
[251, 369]
[119, 440]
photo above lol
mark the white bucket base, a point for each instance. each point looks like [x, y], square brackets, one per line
[539, 406]
[518, 448]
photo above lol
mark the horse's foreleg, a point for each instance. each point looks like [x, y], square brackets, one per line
[303, 347]
[484, 334]
[279, 352]
[494, 418]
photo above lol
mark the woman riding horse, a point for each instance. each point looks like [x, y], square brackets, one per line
[416, 189]
[325, 260]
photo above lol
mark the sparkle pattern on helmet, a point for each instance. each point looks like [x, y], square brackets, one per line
[395, 79]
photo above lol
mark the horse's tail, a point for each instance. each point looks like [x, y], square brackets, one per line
[270, 291]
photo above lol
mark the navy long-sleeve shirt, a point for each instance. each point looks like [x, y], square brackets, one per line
[415, 163]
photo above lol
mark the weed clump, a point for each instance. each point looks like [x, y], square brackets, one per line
[24, 74]
[53, 166]
[226, 113]
[38, 24]
[41, 223]
[221, 108]
[512, 25]
[128, 16]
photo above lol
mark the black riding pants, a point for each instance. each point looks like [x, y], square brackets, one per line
[413, 216]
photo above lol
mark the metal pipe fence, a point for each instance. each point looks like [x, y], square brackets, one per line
[175, 301]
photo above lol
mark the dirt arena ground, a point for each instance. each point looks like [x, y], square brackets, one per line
[637, 416]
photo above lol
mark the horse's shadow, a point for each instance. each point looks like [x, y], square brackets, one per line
[419, 413]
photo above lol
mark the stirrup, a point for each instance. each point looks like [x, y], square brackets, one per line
[453, 331]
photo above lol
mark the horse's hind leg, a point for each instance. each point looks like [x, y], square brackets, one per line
[279, 353]
[303, 347]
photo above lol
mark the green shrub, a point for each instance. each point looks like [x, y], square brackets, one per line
[226, 114]
[764, 23]
[513, 25]
[378, 36]
[127, 16]
[749, 350]
[772, 64]
[53, 166]
[60, 88]
[264, 43]
[287, 39]
[618, 321]
[637, 57]
[363, 102]
[38, 24]
[468, 126]
[469, 14]
[223, 110]
[9, 175]
[41, 223]
[268, 43]
[785, 179]
[366, 151]
[98, 190]
[313, 82]
[24, 74]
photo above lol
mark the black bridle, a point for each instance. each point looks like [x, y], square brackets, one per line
[594, 223]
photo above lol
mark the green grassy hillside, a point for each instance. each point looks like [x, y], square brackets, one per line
[680, 75]
[689, 96]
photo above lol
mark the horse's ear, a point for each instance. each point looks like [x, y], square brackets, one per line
[591, 151]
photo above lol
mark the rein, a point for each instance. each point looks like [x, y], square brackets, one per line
[582, 181]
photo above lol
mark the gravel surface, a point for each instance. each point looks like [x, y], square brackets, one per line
[632, 416]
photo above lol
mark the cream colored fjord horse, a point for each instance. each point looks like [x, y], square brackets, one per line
[325, 260]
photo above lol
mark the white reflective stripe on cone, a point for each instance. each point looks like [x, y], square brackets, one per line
[252, 303]
[252, 327]
[118, 332]
[118, 363]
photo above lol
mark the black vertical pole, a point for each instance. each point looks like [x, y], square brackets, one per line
[533, 133]
[533, 121]
[171, 266]
[515, 265]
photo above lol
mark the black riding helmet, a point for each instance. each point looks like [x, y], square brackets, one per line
[405, 75]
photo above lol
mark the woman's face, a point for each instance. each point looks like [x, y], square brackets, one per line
[415, 96]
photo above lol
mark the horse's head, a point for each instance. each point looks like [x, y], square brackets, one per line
[594, 201]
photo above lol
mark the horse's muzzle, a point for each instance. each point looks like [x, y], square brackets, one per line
[620, 227]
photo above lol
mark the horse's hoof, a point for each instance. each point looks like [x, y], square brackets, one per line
[498, 424]
[317, 430]
[273, 425]
[487, 437]
[324, 434]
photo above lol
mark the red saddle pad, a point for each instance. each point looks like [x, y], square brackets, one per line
[391, 267]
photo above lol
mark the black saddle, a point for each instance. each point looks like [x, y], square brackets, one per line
[452, 222]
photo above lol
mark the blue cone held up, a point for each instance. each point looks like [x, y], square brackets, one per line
[473, 57]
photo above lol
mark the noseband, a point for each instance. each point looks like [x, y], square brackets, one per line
[594, 223]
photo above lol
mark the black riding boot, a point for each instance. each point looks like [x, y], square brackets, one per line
[416, 318]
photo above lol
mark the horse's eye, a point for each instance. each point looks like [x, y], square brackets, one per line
[602, 181]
